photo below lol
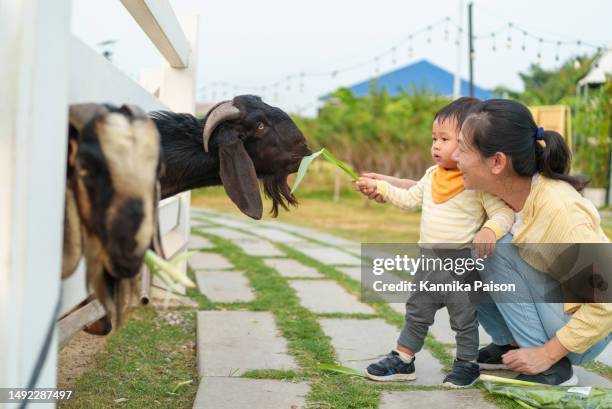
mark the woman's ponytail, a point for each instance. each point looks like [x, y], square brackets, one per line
[554, 159]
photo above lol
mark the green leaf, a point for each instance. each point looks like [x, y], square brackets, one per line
[156, 263]
[341, 369]
[345, 167]
[511, 381]
[307, 160]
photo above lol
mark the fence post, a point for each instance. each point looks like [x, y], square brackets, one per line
[33, 114]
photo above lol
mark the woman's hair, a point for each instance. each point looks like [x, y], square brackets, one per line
[502, 125]
[457, 110]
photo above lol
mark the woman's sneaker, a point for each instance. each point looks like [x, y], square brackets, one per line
[560, 374]
[464, 374]
[391, 368]
[490, 357]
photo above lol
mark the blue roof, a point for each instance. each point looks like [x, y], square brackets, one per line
[422, 74]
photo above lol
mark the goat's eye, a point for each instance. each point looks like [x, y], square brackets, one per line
[261, 126]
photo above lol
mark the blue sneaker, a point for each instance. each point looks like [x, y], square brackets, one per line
[391, 368]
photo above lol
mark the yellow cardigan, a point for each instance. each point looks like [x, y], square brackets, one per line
[555, 212]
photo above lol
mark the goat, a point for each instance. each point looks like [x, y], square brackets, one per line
[112, 191]
[237, 143]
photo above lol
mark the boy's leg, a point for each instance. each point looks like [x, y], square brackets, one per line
[420, 314]
[463, 320]
[465, 324]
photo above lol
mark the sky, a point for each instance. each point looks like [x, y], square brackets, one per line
[252, 45]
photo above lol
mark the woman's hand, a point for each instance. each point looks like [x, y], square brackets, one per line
[530, 361]
[535, 360]
[484, 242]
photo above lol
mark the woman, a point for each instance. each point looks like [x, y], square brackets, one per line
[502, 151]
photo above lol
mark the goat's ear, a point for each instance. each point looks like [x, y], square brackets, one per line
[80, 114]
[156, 243]
[238, 175]
[73, 239]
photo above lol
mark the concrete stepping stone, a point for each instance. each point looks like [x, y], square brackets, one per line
[224, 286]
[237, 393]
[259, 248]
[232, 342]
[276, 235]
[291, 268]
[198, 224]
[353, 272]
[329, 255]
[209, 261]
[227, 233]
[325, 296]
[451, 399]
[198, 243]
[358, 343]
[237, 224]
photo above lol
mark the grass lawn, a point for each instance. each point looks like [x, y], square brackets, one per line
[350, 218]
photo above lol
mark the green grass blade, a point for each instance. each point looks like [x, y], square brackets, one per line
[341, 369]
[306, 161]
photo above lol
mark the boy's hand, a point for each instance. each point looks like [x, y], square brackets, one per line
[484, 242]
[366, 185]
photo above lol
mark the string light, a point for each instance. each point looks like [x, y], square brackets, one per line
[539, 61]
[214, 89]
[509, 37]
[410, 49]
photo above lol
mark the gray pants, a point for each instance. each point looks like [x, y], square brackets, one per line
[421, 309]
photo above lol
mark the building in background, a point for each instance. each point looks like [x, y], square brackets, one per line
[422, 75]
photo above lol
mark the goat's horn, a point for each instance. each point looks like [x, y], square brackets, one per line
[221, 112]
[80, 114]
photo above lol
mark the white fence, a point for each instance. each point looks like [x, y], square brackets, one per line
[44, 69]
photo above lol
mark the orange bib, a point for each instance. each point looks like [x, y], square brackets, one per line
[446, 184]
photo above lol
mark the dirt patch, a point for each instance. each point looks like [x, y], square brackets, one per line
[77, 357]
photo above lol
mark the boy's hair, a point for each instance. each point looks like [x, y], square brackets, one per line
[457, 110]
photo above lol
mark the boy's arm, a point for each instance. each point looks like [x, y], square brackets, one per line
[407, 199]
[393, 181]
[501, 217]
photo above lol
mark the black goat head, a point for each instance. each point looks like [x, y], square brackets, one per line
[112, 185]
[254, 141]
